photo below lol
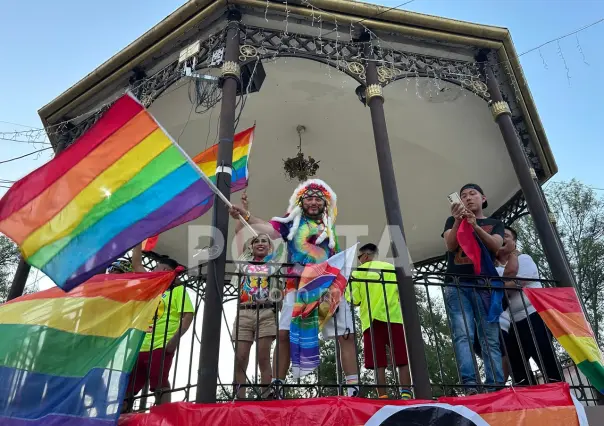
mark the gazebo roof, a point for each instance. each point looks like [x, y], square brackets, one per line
[374, 17]
[441, 132]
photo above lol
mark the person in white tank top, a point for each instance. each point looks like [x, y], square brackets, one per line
[514, 321]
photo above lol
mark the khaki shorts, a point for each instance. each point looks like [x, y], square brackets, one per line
[246, 332]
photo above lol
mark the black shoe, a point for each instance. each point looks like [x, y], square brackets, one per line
[277, 391]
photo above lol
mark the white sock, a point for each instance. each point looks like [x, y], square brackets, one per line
[353, 380]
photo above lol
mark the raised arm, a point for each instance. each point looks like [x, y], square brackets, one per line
[452, 225]
[137, 258]
[512, 266]
[261, 226]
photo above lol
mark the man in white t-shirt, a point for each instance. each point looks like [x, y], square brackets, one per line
[514, 321]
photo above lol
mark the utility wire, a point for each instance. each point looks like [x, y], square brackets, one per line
[562, 37]
[364, 19]
[25, 155]
[22, 141]
[50, 130]
[16, 124]
[599, 21]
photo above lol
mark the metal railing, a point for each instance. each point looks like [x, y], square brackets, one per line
[450, 314]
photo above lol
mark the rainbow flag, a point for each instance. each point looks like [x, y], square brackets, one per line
[561, 311]
[121, 182]
[150, 243]
[67, 357]
[207, 162]
[321, 288]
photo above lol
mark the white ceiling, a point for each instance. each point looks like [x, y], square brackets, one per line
[441, 138]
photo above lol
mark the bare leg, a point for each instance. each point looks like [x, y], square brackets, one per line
[348, 355]
[381, 380]
[404, 376]
[242, 360]
[282, 363]
[264, 359]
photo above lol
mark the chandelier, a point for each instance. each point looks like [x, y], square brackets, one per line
[300, 167]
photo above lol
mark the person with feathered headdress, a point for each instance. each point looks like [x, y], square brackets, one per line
[308, 229]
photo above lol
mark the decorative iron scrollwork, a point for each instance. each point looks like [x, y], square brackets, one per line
[246, 52]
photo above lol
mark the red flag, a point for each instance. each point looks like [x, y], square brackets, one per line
[150, 243]
[469, 244]
[545, 405]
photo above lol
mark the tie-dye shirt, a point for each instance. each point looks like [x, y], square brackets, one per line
[302, 249]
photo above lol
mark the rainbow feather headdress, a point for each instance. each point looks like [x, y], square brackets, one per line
[294, 211]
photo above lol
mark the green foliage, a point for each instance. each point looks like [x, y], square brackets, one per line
[579, 212]
[9, 258]
[437, 340]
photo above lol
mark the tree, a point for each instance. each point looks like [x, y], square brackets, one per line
[438, 344]
[9, 258]
[579, 213]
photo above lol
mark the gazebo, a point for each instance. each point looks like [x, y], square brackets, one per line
[400, 109]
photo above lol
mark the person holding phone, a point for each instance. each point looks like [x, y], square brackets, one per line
[468, 306]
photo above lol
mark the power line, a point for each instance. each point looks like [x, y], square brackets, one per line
[364, 19]
[51, 129]
[17, 124]
[396, 50]
[22, 141]
[25, 155]
[562, 37]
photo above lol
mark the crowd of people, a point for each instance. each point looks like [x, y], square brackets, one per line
[308, 233]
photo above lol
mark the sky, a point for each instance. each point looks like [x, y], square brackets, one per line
[49, 46]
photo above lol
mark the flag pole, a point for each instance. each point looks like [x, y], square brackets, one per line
[214, 188]
[200, 173]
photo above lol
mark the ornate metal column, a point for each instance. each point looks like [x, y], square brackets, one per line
[535, 199]
[394, 218]
[19, 280]
[207, 376]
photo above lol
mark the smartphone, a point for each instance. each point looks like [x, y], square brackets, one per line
[454, 198]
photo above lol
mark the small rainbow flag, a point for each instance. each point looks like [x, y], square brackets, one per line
[561, 311]
[312, 308]
[68, 356]
[150, 243]
[242, 146]
[207, 162]
[121, 182]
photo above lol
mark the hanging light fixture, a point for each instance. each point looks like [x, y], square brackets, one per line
[300, 167]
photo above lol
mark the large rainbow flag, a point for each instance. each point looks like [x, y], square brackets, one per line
[207, 162]
[66, 357]
[561, 311]
[544, 405]
[121, 182]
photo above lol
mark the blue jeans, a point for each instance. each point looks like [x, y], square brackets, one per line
[467, 302]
